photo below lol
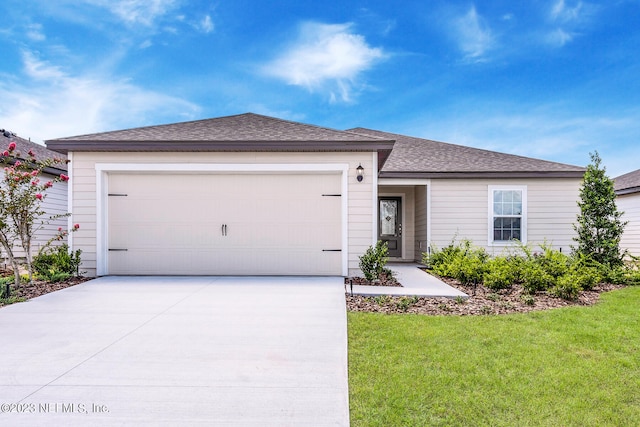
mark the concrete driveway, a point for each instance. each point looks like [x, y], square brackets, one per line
[178, 351]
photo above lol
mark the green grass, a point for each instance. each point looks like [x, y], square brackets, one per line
[577, 366]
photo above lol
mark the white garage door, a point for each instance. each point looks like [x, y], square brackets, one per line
[224, 224]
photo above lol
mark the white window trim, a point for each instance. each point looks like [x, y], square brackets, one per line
[102, 190]
[490, 216]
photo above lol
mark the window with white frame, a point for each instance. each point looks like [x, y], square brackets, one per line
[507, 214]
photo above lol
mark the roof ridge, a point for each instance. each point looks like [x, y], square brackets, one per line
[222, 120]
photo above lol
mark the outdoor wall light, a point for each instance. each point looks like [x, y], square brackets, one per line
[360, 173]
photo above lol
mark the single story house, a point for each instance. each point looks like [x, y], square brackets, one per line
[256, 195]
[627, 188]
[55, 202]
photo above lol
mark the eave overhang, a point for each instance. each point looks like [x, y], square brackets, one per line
[625, 191]
[382, 147]
[480, 174]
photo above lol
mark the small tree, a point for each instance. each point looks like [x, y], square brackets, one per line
[373, 261]
[599, 226]
[21, 196]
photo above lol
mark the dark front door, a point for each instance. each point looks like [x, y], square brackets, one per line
[390, 224]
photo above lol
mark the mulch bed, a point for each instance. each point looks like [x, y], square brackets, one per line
[383, 281]
[40, 287]
[481, 301]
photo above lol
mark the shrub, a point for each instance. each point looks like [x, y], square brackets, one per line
[587, 277]
[469, 268]
[554, 262]
[459, 261]
[535, 278]
[56, 261]
[5, 286]
[568, 287]
[528, 299]
[500, 273]
[441, 259]
[621, 276]
[374, 260]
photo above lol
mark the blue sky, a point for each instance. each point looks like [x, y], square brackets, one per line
[554, 79]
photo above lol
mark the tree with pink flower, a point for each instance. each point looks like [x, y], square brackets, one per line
[21, 197]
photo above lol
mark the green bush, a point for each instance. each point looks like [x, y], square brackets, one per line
[554, 262]
[468, 269]
[439, 260]
[548, 271]
[374, 260]
[56, 261]
[535, 278]
[587, 277]
[459, 261]
[622, 276]
[500, 273]
[568, 287]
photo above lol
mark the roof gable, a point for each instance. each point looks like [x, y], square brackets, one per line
[248, 127]
[628, 183]
[243, 132]
[423, 158]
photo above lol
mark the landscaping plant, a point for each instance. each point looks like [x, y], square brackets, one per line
[599, 225]
[548, 270]
[374, 260]
[56, 263]
[21, 195]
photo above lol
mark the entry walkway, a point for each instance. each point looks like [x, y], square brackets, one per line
[169, 351]
[415, 282]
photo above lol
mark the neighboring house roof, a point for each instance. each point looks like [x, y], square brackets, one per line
[627, 183]
[24, 145]
[243, 132]
[422, 158]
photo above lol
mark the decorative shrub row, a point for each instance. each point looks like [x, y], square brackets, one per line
[548, 270]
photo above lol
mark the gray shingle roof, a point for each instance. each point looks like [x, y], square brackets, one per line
[24, 145]
[243, 132]
[239, 128]
[417, 157]
[628, 183]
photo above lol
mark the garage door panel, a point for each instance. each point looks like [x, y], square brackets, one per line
[275, 224]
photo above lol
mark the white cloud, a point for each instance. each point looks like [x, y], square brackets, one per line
[34, 32]
[50, 103]
[137, 12]
[473, 35]
[206, 25]
[327, 57]
[567, 19]
[561, 12]
[559, 37]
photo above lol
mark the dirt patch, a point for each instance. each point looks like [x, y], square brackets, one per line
[481, 301]
[39, 287]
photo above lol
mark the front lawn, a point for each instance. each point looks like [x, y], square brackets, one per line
[575, 366]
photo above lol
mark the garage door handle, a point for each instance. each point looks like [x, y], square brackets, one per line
[118, 250]
[224, 229]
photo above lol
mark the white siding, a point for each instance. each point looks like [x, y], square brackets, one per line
[83, 185]
[630, 205]
[459, 208]
[421, 238]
